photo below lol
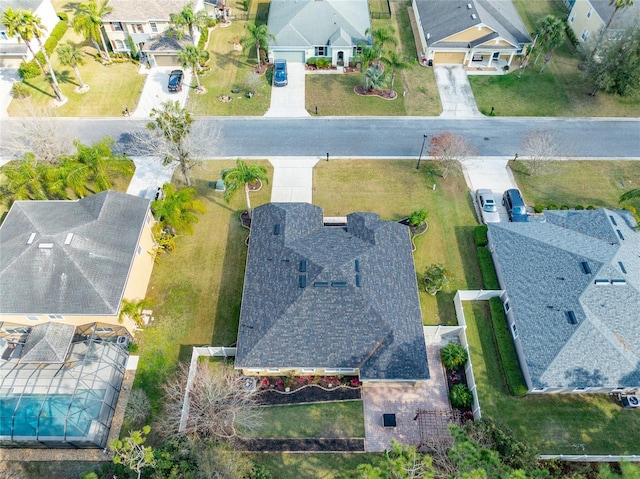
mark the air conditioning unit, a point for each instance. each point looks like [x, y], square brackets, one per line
[631, 401]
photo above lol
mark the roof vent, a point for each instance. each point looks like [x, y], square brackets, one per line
[601, 282]
[32, 236]
[618, 282]
[276, 229]
[622, 268]
[613, 220]
[68, 239]
[428, 36]
[356, 265]
[469, 6]
[358, 281]
[571, 317]
[620, 234]
[303, 266]
[586, 269]
[339, 284]
[302, 281]
[321, 284]
[45, 245]
[474, 16]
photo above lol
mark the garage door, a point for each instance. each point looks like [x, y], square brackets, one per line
[449, 57]
[167, 60]
[292, 57]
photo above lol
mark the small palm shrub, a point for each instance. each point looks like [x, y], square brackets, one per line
[538, 208]
[552, 206]
[19, 90]
[454, 356]
[417, 217]
[460, 396]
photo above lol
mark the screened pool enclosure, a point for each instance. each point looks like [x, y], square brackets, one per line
[59, 384]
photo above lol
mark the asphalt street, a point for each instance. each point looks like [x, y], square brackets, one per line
[372, 137]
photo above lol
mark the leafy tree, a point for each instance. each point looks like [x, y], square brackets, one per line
[461, 396]
[190, 20]
[27, 26]
[219, 460]
[172, 125]
[131, 452]
[93, 164]
[88, 22]
[540, 146]
[551, 34]
[400, 462]
[616, 68]
[193, 57]
[471, 459]
[258, 36]
[454, 356]
[396, 62]
[418, 217]
[240, 177]
[177, 211]
[448, 149]
[436, 278]
[138, 406]
[71, 56]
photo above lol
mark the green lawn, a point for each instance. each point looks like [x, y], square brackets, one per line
[196, 292]
[394, 189]
[583, 183]
[555, 424]
[559, 91]
[335, 419]
[312, 466]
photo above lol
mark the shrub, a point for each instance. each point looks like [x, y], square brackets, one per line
[311, 61]
[571, 34]
[63, 16]
[138, 407]
[19, 90]
[204, 36]
[56, 35]
[552, 206]
[132, 47]
[538, 208]
[564, 207]
[579, 207]
[246, 4]
[506, 349]
[417, 217]
[480, 235]
[487, 269]
[323, 62]
[460, 396]
[454, 356]
[590, 207]
[28, 70]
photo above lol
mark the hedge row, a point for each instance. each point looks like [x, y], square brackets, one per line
[30, 69]
[506, 349]
[488, 270]
[480, 235]
[539, 208]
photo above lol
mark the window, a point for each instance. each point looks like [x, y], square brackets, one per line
[506, 306]
[514, 333]
[539, 390]
[117, 26]
[357, 50]
[589, 13]
[573, 17]
[154, 27]
[585, 35]
[578, 390]
[273, 370]
[148, 220]
[118, 45]
[321, 51]
[56, 316]
[139, 250]
[32, 318]
[4, 36]
[308, 370]
[339, 370]
[139, 28]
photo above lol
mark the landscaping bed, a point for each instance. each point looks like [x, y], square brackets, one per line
[307, 444]
[308, 394]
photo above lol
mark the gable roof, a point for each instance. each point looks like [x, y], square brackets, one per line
[441, 19]
[41, 274]
[553, 267]
[143, 10]
[624, 18]
[48, 343]
[320, 296]
[308, 23]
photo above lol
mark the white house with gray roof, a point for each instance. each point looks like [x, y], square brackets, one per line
[322, 299]
[318, 28]
[473, 33]
[572, 299]
[146, 23]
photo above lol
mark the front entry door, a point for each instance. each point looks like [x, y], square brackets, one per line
[341, 59]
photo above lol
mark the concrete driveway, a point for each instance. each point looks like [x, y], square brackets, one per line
[491, 173]
[155, 90]
[455, 92]
[150, 175]
[288, 101]
[7, 77]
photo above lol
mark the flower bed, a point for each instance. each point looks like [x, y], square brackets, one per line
[288, 384]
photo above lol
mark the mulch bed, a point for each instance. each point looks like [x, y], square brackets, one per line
[263, 68]
[245, 219]
[302, 445]
[269, 397]
[384, 94]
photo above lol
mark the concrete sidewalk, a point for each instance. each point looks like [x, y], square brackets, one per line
[292, 179]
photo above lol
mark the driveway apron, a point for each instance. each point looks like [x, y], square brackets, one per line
[455, 92]
[288, 101]
[155, 91]
[150, 175]
[292, 179]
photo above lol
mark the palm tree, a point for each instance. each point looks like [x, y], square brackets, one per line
[176, 211]
[92, 164]
[551, 34]
[617, 5]
[368, 53]
[258, 37]
[189, 19]
[71, 56]
[381, 37]
[88, 21]
[374, 78]
[192, 57]
[241, 176]
[26, 180]
[395, 62]
[27, 26]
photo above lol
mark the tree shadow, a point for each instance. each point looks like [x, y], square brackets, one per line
[50, 95]
[66, 76]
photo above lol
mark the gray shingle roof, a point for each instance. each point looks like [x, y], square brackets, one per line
[86, 276]
[624, 18]
[331, 322]
[443, 18]
[143, 10]
[307, 23]
[48, 343]
[540, 266]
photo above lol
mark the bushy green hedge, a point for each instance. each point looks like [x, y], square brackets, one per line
[571, 34]
[487, 269]
[30, 69]
[480, 235]
[506, 349]
[204, 36]
[64, 16]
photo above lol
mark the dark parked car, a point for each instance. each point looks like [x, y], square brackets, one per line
[175, 80]
[513, 202]
[280, 73]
